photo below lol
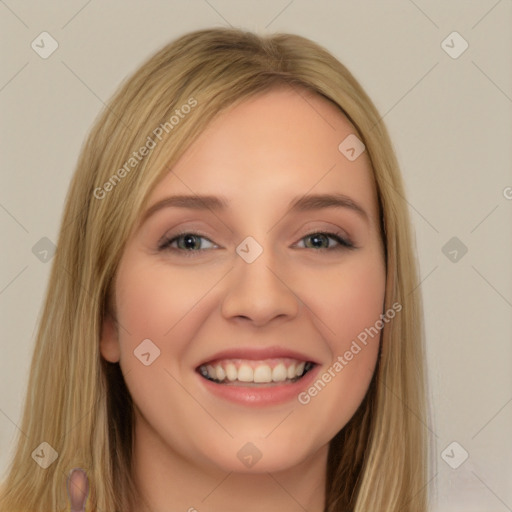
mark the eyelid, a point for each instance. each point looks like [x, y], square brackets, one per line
[167, 239]
[333, 234]
[343, 241]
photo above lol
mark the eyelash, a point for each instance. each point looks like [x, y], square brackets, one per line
[343, 243]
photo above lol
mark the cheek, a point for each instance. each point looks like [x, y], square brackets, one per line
[152, 301]
[156, 303]
[349, 304]
[348, 300]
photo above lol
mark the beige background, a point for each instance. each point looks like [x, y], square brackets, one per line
[450, 119]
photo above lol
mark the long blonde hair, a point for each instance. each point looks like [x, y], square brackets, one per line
[78, 403]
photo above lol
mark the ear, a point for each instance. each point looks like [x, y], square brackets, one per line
[109, 341]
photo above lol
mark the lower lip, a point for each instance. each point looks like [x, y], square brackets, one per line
[253, 396]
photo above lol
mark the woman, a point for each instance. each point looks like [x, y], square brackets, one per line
[206, 351]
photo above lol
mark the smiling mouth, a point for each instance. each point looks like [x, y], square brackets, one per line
[248, 373]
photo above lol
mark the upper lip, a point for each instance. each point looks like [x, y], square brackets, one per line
[258, 354]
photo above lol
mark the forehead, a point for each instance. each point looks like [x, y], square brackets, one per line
[273, 146]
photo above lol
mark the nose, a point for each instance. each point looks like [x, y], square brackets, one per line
[260, 291]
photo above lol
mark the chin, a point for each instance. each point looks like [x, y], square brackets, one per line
[259, 456]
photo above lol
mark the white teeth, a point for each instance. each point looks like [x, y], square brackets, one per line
[227, 371]
[263, 373]
[211, 372]
[245, 373]
[279, 373]
[231, 372]
[221, 374]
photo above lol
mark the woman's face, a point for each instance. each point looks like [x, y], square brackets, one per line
[247, 288]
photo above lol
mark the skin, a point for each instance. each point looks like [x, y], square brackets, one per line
[259, 155]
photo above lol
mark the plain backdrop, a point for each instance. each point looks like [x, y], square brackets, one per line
[449, 115]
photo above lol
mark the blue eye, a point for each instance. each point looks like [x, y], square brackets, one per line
[188, 243]
[321, 236]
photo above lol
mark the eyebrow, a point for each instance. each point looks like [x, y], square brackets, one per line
[300, 204]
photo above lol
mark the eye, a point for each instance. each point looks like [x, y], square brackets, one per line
[320, 237]
[187, 242]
